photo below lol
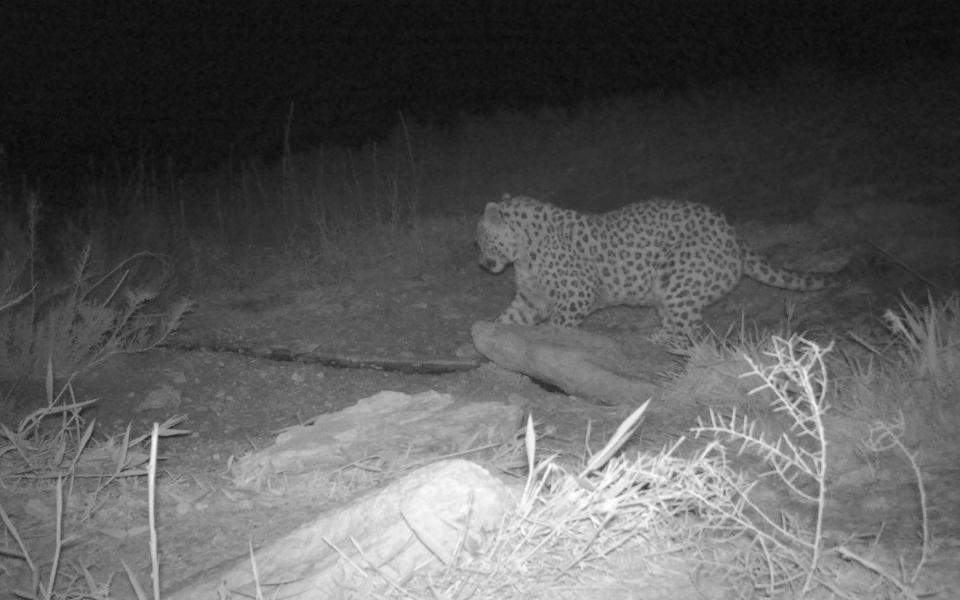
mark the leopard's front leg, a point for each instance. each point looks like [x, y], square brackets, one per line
[525, 310]
[532, 303]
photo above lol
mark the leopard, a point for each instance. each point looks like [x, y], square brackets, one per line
[676, 255]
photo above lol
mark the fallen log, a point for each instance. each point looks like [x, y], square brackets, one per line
[580, 363]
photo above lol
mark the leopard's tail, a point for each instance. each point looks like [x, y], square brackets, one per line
[757, 267]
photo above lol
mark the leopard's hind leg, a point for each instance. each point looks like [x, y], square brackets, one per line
[691, 277]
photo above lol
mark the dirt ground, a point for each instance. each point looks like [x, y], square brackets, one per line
[403, 310]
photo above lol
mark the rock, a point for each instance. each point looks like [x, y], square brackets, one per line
[415, 523]
[580, 363]
[391, 425]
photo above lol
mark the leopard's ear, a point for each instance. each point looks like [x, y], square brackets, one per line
[491, 215]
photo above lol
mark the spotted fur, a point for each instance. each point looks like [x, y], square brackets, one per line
[675, 255]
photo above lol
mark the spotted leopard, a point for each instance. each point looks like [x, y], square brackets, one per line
[678, 256]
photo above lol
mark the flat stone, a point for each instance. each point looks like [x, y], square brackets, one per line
[390, 425]
[416, 523]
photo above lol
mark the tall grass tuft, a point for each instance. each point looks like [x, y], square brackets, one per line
[78, 323]
[930, 336]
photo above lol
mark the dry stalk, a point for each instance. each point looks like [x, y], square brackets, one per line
[797, 378]
[788, 551]
[255, 571]
[884, 437]
[152, 508]
[24, 551]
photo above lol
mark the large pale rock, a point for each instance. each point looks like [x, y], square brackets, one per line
[390, 425]
[580, 363]
[418, 522]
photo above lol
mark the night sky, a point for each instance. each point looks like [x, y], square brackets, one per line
[191, 83]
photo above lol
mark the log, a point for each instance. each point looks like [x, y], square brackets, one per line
[580, 363]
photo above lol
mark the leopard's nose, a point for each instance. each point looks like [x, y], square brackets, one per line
[491, 265]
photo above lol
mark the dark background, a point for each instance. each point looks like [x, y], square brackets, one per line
[192, 84]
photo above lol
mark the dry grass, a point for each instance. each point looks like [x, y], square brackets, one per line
[55, 443]
[912, 376]
[929, 338]
[87, 323]
[76, 325]
[567, 524]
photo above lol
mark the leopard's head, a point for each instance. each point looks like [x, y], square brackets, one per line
[498, 242]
